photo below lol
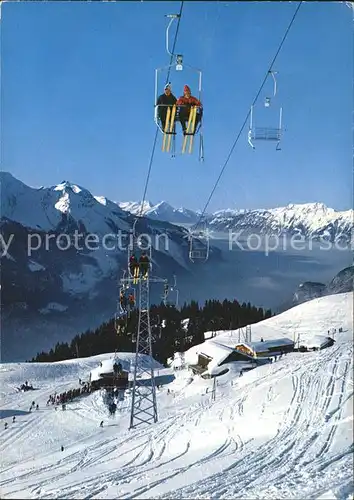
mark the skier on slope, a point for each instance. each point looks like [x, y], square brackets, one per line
[184, 104]
[165, 101]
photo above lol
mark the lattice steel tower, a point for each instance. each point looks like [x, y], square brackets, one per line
[143, 404]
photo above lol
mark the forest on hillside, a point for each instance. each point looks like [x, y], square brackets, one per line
[170, 332]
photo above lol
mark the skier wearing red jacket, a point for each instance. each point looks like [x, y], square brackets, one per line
[185, 103]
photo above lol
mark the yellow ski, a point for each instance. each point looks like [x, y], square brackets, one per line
[194, 117]
[187, 130]
[172, 124]
[168, 114]
[136, 275]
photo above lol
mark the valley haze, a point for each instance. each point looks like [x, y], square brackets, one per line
[63, 251]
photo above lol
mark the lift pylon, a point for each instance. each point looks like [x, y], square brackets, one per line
[143, 403]
[144, 406]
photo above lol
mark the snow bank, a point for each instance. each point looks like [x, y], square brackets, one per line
[299, 322]
[282, 430]
[127, 360]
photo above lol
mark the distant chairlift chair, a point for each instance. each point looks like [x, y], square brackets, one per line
[199, 244]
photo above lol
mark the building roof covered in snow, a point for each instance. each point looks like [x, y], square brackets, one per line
[107, 367]
[270, 345]
[209, 349]
[217, 352]
[126, 359]
[317, 341]
[254, 348]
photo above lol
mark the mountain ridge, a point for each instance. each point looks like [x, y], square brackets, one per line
[312, 220]
[61, 245]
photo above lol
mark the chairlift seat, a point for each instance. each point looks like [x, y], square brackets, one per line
[265, 134]
[198, 254]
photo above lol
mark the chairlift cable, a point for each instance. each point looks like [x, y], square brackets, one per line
[157, 130]
[249, 111]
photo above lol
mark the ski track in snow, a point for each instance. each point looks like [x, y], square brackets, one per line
[281, 431]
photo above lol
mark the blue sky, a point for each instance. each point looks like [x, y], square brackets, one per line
[78, 99]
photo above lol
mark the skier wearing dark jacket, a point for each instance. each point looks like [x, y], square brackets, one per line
[144, 264]
[123, 301]
[165, 101]
[133, 265]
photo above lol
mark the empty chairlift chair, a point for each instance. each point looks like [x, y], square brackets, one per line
[199, 243]
[266, 133]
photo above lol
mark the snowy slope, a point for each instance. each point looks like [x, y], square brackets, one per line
[298, 322]
[281, 431]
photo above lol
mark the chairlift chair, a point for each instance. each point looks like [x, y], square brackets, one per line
[177, 66]
[135, 249]
[274, 134]
[167, 290]
[199, 244]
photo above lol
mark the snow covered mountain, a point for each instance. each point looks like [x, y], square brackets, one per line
[308, 290]
[342, 282]
[162, 211]
[62, 250]
[283, 430]
[134, 207]
[65, 206]
[309, 220]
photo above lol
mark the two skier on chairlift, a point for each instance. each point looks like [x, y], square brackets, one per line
[126, 301]
[184, 105]
[140, 266]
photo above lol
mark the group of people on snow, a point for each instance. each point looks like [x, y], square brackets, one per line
[69, 395]
[26, 387]
[33, 405]
[184, 105]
